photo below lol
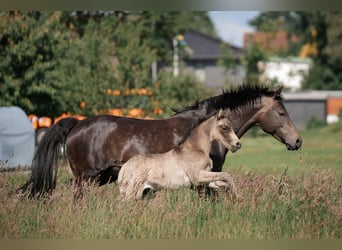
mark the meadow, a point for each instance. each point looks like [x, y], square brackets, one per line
[285, 195]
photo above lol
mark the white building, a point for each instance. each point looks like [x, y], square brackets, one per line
[289, 72]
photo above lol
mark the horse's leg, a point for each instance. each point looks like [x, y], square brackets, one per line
[108, 175]
[217, 179]
[217, 155]
[78, 188]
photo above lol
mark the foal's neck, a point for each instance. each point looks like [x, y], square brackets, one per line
[200, 138]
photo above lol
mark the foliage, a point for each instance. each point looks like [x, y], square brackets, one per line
[227, 61]
[50, 62]
[319, 34]
[315, 123]
[309, 26]
[46, 68]
[322, 77]
[253, 55]
[177, 92]
[326, 73]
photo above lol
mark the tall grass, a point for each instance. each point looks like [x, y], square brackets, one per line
[306, 207]
[285, 195]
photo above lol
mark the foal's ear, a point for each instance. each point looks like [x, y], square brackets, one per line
[277, 90]
[219, 114]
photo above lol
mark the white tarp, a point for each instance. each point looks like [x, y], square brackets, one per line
[16, 138]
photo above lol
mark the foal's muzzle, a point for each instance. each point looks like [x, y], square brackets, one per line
[235, 147]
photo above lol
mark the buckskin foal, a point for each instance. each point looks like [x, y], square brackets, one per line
[182, 166]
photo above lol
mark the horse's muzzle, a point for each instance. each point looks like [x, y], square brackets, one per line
[296, 145]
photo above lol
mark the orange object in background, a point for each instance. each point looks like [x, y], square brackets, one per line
[116, 112]
[158, 111]
[40, 122]
[334, 106]
[34, 120]
[44, 122]
[65, 115]
[82, 105]
[136, 113]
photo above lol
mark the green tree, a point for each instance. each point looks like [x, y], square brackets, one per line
[253, 55]
[333, 48]
[300, 23]
[50, 62]
[177, 92]
[320, 34]
[45, 67]
[326, 73]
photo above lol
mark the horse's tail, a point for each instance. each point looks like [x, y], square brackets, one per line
[45, 160]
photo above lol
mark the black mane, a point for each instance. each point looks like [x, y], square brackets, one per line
[236, 97]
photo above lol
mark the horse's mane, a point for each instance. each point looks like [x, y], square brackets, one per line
[234, 98]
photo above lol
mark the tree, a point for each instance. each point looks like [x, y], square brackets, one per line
[333, 48]
[45, 67]
[253, 55]
[320, 33]
[326, 73]
[50, 62]
[309, 26]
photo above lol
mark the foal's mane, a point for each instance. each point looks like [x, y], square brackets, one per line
[234, 98]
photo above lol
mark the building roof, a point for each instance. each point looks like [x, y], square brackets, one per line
[277, 41]
[313, 95]
[205, 46]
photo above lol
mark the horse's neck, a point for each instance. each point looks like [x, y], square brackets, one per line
[200, 138]
[245, 117]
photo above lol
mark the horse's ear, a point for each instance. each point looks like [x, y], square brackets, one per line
[277, 90]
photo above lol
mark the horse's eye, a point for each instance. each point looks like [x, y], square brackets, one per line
[281, 113]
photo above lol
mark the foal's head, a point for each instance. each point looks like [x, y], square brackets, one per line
[223, 132]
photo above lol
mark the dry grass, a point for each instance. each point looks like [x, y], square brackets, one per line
[285, 195]
[308, 206]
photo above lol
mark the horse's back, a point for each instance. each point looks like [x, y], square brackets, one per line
[100, 142]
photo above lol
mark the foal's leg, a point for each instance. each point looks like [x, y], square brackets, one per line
[217, 179]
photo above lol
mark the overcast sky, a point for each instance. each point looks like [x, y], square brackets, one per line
[231, 25]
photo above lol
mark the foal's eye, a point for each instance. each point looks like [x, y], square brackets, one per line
[225, 128]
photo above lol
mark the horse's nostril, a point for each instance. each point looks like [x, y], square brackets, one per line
[238, 145]
[299, 142]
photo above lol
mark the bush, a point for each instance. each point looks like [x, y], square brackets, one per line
[177, 92]
[315, 123]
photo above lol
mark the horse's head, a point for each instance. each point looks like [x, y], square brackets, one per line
[224, 132]
[275, 120]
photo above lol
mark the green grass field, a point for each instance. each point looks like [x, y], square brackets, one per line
[321, 149]
[285, 195]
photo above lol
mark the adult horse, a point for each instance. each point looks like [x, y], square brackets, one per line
[97, 147]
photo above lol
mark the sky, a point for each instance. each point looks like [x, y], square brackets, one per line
[231, 25]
